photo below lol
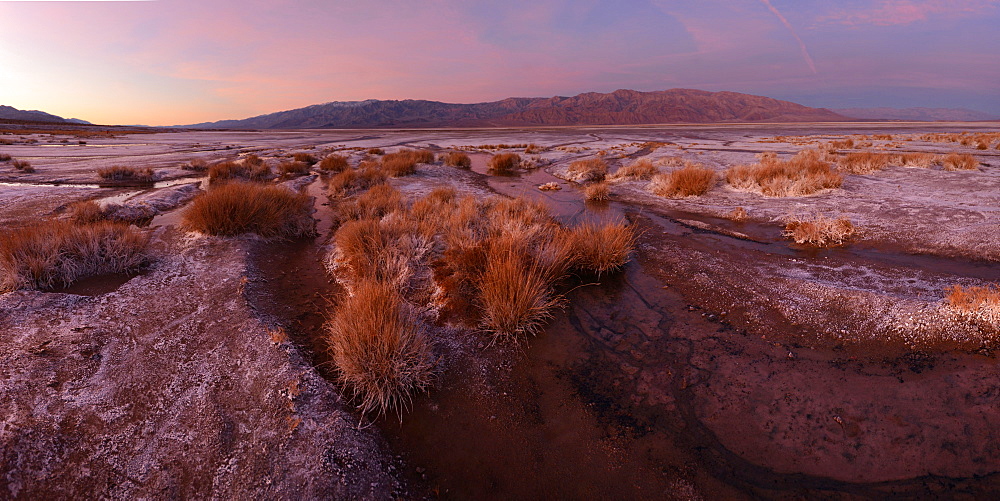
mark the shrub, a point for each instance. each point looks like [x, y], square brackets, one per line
[597, 192]
[592, 169]
[306, 158]
[960, 161]
[373, 251]
[803, 174]
[404, 162]
[602, 248]
[367, 174]
[4, 157]
[375, 203]
[503, 163]
[457, 159]
[51, 253]
[514, 293]
[375, 151]
[334, 163]
[86, 212]
[690, 180]
[864, 162]
[533, 149]
[381, 355]
[295, 168]
[196, 164]
[640, 169]
[225, 171]
[821, 231]
[974, 299]
[126, 173]
[237, 208]
[922, 160]
[23, 166]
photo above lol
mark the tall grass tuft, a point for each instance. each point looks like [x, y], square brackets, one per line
[381, 355]
[864, 162]
[127, 173]
[334, 163]
[457, 159]
[960, 161]
[592, 169]
[54, 253]
[820, 231]
[503, 163]
[237, 208]
[602, 248]
[228, 170]
[640, 169]
[803, 174]
[690, 180]
[597, 192]
[379, 201]
[514, 293]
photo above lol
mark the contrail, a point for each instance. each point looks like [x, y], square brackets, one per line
[802, 45]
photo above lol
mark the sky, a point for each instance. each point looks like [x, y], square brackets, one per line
[170, 62]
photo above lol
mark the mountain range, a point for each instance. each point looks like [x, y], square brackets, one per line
[11, 113]
[621, 107]
[917, 114]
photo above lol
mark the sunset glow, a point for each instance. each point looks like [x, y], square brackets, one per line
[179, 61]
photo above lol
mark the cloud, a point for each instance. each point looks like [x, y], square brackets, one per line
[902, 12]
[802, 45]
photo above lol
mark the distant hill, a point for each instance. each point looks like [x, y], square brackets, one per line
[11, 113]
[621, 107]
[917, 114]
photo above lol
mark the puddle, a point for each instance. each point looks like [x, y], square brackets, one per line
[98, 284]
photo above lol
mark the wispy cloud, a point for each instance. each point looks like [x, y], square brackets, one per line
[802, 45]
[901, 12]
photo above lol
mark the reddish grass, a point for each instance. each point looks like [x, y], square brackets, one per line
[514, 293]
[306, 158]
[597, 192]
[382, 356]
[820, 231]
[226, 171]
[236, 208]
[196, 164]
[4, 157]
[690, 180]
[86, 212]
[503, 163]
[592, 169]
[23, 166]
[974, 299]
[294, 168]
[457, 159]
[960, 161]
[739, 215]
[640, 169]
[350, 181]
[379, 201]
[375, 151]
[602, 248]
[54, 253]
[126, 173]
[803, 174]
[334, 163]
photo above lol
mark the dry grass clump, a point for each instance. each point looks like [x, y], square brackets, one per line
[54, 253]
[503, 163]
[690, 180]
[404, 162]
[591, 169]
[236, 208]
[640, 169]
[196, 164]
[350, 181]
[334, 163]
[846, 143]
[739, 215]
[514, 292]
[820, 231]
[864, 162]
[602, 248]
[23, 166]
[126, 173]
[803, 174]
[974, 299]
[294, 168]
[375, 151]
[379, 201]
[4, 157]
[920, 160]
[960, 161]
[381, 355]
[228, 170]
[550, 186]
[597, 192]
[86, 212]
[306, 158]
[533, 149]
[457, 159]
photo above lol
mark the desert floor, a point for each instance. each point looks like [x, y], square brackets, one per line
[723, 361]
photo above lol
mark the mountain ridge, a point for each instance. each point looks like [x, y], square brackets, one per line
[919, 114]
[12, 113]
[621, 107]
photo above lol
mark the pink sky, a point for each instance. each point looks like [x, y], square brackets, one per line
[169, 62]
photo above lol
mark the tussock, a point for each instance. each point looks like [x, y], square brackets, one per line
[597, 192]
[803, 174]
[334, 163]
[56, 253]
[690, 180]
[592, 169]
[237, 208]
[404, 162]
[864, 162]
[86, 212]
[306, 158]
[960, 161]
[23, 166]
[196, 164]
[602, 248]
[379, 201]
[381, 355]
[640, 169]
[126, 173]
[294, 168]
[227, 171]
[820, 231]
[514, 293]
[503, 163]
[974, 299]
[350, 181]
[457, 159]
